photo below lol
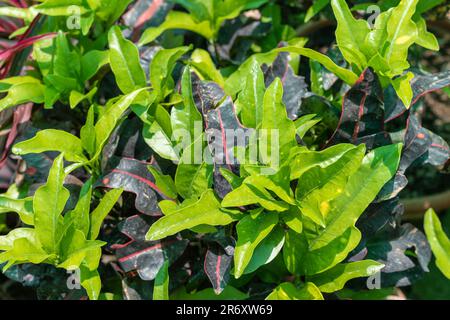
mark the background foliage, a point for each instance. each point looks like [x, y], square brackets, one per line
[94, 185]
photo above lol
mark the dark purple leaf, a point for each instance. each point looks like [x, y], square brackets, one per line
[393, 187]
[362, 111]
[294, 87]
[133, 176]
[236, 38]
[217, 267]
[382, 217]
[226, 242]
[224, 132]
[131, 143]
[145, 257]
[20, 116]
[421, 84]
[400, 269]
[416, 143]
[207, 94]
[146, 12]
[438, 153]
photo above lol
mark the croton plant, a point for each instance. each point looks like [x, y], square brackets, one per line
[200, 149]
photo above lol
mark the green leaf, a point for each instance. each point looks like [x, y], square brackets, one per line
[377, 168]
[250, 193]
[53, 140]
[23, 207]
[157, 133]
[316, 7]
[125, 63]
[275, 120]
[48, 204]
[425, 38]
[164, 183]
[24, 250]
[402, 86]
[236, 82]
[350, 34]
[177, 20]
[186, 118]
[75, 249]
[87, 133]
[439, 242]
[202, 62]
[17, 12]
[305, 123]
[402, 33]
[317, 186]
[346, 75]
[189, 214]
[105, 206]
[302, 159]
[335, 279]
[20, 90]
[111, 116]
[293, 219]
[287, 291]
[251, 98]
[192, 180]
[161, 286]
[229, 293]
[266, 250]
[90, 281]
[300, 260]
[375, 41]
[79, 216]
[161, 69]
[66, 63]
[251, 230]
[91, 63]
[60, 7]
[109, 10]
[7, 241]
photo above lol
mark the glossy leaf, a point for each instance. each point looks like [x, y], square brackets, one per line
[145, 257]
[23, 207]
[20, 90]
[189, 214]
[177, 20]
[161, 287]
[377, 168]
[161, 69]
[401, 34]
[124, 61]
[439, 241]
[53, 140]
[317, 186]
[287, 291]
[267, 250]
[217, 267]
[110, 118]
[98, 215]
[362, 110]
[251, 230]
[133, 176]
[350, 34]
[251, 97]
[48, 203]
[334, 279]
[294, 87]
